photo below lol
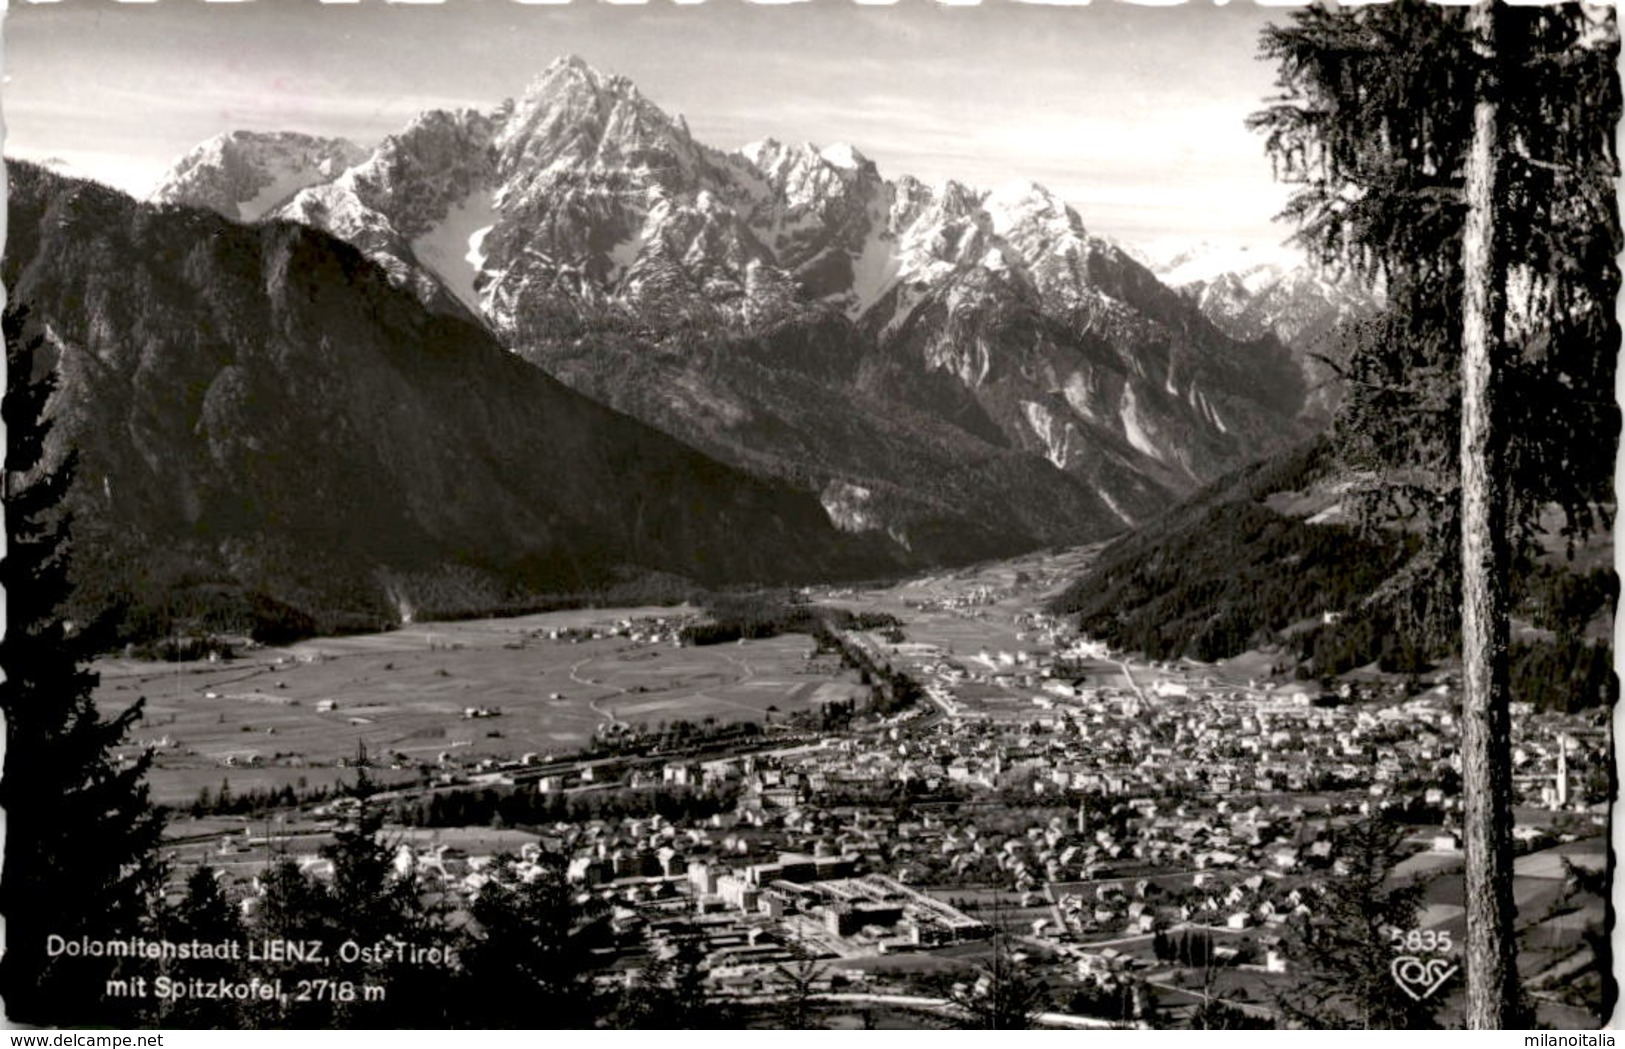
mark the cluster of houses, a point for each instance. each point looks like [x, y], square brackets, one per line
[1180, 732]
[1109, 807]
[643, 630]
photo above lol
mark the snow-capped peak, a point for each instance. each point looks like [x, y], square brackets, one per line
[573, 116]
[244, 174]
[762, 147]
[842, 155]
[1206, 261]
[571, 65]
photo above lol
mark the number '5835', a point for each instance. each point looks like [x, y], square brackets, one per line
[1421, 940]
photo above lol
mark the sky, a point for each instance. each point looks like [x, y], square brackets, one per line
[1132, 113]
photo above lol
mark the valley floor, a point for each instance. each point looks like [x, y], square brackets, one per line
[1073, 805]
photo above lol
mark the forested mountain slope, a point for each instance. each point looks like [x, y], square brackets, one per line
[262, 418]
[1264, 559]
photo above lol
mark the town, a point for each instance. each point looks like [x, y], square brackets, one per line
[1093, 815]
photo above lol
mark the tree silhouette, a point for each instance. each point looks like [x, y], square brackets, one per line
[1344, 950]
[526, 957]
[1463, 160]
[291, 905]
[81, 837]
[206, 915]
[670, 993]
[1004, 996]
[798, 978]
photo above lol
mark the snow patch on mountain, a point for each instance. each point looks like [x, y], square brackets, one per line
[476, 247]
[453, 247]
[284, 184]
[874, 268]
[1133, 427]
[1114, 507]
[1014, 203]
[244, 174]
[1333, 514]
[1206, 261]
[842, 155]
[1079, 393]
[625, 253]
[1056, 434]
[848, 507]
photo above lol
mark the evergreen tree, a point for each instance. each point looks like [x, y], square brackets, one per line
[525, 959]
[798, 978]
[81, 836]
[1344, 951]
[1004, 996]
[1464, 161]
[375, 907]
[289, 905]
[204, 914]
[1211, 1015]
[1373, 127]
[670, 993]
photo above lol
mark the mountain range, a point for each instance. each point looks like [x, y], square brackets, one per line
[962, 372]
[262, 420]
[561, 345]
[1248, 294]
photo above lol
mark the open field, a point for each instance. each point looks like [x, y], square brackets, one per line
[1011, 588]
[982, 611]
[998, 907]
[1550, 928]
[285, 715]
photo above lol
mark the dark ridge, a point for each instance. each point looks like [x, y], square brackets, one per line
[258, 412]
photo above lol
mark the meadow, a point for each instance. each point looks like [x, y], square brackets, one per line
[453, 692]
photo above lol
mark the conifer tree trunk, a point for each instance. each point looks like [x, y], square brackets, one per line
[1486, 729]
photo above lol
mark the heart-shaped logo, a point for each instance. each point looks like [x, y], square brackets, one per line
[1420, 978]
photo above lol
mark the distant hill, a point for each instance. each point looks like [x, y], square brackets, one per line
[1262, 558]
[1226, 570]
[267, 427]
[1247, 295]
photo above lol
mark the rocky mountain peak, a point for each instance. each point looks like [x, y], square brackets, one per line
[993, 323]
[844, 155]
[1033, 219]
[774, 158]
[573, 117]
[244, 174]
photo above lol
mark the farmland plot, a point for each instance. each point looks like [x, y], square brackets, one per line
[462, 692]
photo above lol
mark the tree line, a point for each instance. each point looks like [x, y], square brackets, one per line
[523, 950]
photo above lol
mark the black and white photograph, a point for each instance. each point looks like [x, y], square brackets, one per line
[809, 515]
